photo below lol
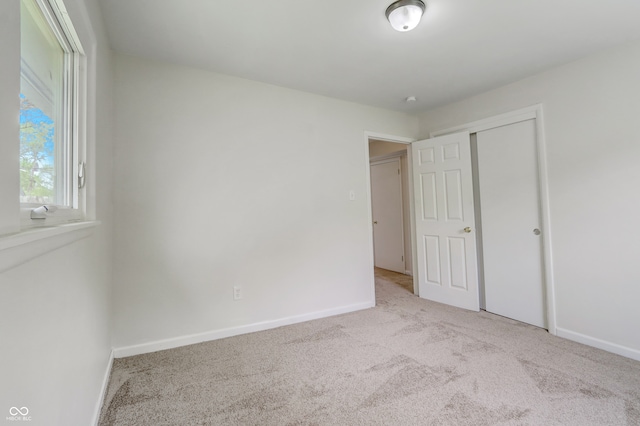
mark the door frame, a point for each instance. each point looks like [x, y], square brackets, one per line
[534, 112]
[399, 140]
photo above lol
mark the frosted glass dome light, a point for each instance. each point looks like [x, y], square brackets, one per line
[405, 15]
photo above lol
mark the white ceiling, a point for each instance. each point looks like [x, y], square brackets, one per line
[346, 49]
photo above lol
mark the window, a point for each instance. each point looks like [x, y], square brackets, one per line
[50, 115]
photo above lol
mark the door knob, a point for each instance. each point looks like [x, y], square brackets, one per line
[536, 231]
[375, 222]
[467, 229]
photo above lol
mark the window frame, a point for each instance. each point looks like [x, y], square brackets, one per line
[74, 119]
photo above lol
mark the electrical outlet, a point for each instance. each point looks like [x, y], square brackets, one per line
[237, 292]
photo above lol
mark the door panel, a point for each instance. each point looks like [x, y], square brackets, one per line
[509, 202]
[432, 254]
[447, 265]
[386, 205]
[429, 200]
[453, 194]
[457, 262]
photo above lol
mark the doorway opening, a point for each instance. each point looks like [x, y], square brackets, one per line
[391, 207]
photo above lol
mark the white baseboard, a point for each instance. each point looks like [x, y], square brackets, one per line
[408, 273]
[191, 339]
[103, 392]
[600, 344]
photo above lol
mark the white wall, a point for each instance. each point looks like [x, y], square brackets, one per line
[224, 182]
[379, 148]
[9, 124]
[55, 309]
[591, 110]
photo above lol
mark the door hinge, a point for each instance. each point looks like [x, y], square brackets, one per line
[402, 258]
[398, 171]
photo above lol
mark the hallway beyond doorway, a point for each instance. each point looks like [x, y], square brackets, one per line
[402, 280]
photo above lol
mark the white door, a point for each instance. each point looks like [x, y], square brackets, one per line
[510, 219]
[386, 206]
[445, 240]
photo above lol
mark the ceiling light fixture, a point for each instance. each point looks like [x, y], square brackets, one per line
[405, 15]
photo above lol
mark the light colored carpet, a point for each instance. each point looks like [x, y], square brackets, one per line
[405, 362]
[404, 281]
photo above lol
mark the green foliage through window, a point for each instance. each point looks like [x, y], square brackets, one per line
[37, 176]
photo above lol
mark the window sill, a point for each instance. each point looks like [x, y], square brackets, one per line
[21, 247]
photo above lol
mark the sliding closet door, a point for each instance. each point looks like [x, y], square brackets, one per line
[510, 220]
